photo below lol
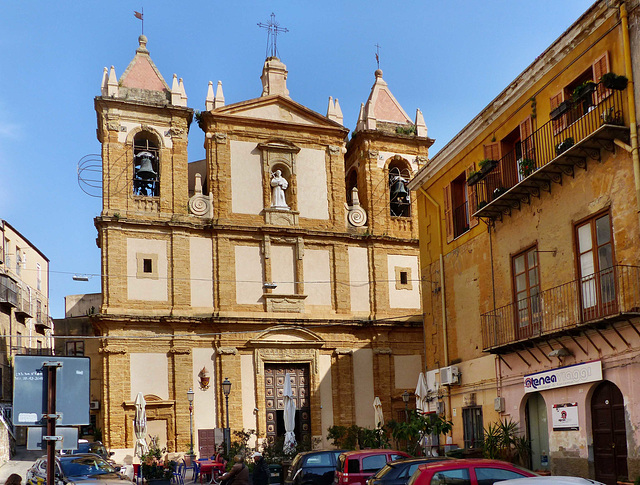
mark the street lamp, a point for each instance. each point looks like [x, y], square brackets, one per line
[190, 394]
[226, 389]
[405, 398]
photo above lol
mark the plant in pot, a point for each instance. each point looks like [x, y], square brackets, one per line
[526, 166]
[474, 177]
[487, 165]
[583, 92]
[611, 80]
[561, 109]
[498, 192]
[155, 468]
[564, 145]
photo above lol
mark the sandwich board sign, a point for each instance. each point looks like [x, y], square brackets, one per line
[30, 390]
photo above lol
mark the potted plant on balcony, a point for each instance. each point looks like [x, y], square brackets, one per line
[526, 166]
[583, 93]
[487, 165]
[611, 80]
[564, 145]
[498, 192]
[474, 177]
[561, 109]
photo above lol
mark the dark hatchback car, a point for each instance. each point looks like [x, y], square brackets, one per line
[81, 469]
[313, 468]
[399, 472]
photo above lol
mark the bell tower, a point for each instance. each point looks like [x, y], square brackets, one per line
[386, 149]
[143, 126]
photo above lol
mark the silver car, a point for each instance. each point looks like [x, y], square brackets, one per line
[85, 469]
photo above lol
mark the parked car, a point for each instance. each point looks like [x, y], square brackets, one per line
[85, 469]
[95, 447]
[356, 467]
[471, 471]
[400, 471]
[551, 481]
[313, 468]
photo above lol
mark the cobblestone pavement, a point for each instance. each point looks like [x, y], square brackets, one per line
[19, 464]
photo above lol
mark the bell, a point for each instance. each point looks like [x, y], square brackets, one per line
[145, 171]
[398, 189]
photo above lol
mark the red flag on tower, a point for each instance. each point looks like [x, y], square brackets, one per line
[138, 15]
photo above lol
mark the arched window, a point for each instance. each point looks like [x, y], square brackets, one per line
[146, 166]
[399, 201]
[352, 181]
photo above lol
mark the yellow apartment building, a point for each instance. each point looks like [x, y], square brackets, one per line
[289, 249]
[529, 256]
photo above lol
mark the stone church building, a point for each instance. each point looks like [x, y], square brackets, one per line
[291, 248]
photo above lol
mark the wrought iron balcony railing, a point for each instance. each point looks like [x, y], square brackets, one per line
[606, 295]
[551, 152]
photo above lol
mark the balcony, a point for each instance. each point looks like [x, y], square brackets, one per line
[610, 295]
[551, 152]
[8, 291]
[25, 303]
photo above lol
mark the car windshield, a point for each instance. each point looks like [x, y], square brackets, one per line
[384, 470]
[85, 465]
[97, 448]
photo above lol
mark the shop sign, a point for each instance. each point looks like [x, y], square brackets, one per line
[565, 416]
[564, 376]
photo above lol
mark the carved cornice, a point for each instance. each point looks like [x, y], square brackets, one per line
[227, 350]
[286, 355]
[113, 349]
[220, 137]
[343, 352]
[180, 350]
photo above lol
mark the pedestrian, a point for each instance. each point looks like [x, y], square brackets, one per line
[261, 470]
[14, 479]
[239, 473]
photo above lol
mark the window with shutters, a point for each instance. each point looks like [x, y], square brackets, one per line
[526, 290]
[581, 104]
[460, 204]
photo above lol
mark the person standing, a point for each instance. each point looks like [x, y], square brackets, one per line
[261, 470]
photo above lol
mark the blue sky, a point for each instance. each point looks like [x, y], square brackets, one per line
[450, 59]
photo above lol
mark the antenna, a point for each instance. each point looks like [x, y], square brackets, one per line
[377, 46]
[273, 29]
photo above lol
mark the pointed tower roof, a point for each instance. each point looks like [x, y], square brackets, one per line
[141, 80]
[381, 106]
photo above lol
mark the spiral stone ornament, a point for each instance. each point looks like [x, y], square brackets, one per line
[357, 216]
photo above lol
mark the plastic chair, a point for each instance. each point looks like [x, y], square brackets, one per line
[196, 470]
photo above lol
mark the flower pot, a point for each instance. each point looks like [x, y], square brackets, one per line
[475, 178]
[561, 109]
[564, 146]
[488, 166]
[613, 81]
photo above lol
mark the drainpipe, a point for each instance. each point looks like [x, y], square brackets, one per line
[445, 337]
[632, 102]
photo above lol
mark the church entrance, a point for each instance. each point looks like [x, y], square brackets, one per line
[274, 378]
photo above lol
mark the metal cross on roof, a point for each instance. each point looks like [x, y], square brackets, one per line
[273, 29]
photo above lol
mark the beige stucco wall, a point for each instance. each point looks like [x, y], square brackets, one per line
[201, 272]
[158, 427]
[404, 297]
[204, 401]
[276, 113]
[312, 184]
[146, 288]
[407, 369]
[283, 270]
[140, 364]
[246, 178]
[363, 393]
[326, 396]
[358, 279]
[247, 377]
[317, 277]
[248, 274]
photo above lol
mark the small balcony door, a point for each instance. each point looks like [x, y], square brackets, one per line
[526, 285]
[595, 263]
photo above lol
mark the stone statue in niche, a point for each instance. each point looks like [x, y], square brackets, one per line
[279, 184]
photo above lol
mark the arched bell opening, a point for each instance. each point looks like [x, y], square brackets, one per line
[146, 165]
[399, 199]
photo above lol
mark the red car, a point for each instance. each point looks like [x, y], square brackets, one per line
[467, 472]
[356, 467]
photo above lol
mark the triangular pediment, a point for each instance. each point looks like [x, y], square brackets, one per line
[276, 108]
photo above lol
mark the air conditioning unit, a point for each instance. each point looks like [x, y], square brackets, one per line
[449, 375]
[498, 404]
[94, 404]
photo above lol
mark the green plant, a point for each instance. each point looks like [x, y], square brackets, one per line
[345, 437]
[582, 90]
[198, 116]
[154, 465]
[97, 434]
[240, 446]
[503, 441]
[564, 145]
[417, 426]
[637, 480]
[485, 162]
[611, 80]
[526, 166]
[406, 130]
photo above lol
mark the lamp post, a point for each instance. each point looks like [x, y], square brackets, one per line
[226, 389]
[405, 398]
[190, 394]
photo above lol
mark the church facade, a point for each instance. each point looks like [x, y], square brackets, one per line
[289, 250]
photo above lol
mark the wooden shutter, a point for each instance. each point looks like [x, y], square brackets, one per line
[560, 123]
[448, 213]
[471, 197]
[600, 67]
[526, 129]
[492, 151]
[494, 179]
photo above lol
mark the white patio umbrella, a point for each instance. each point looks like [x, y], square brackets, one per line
[422, 405]
[377, 411]
[289, 416]
[140, 426]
